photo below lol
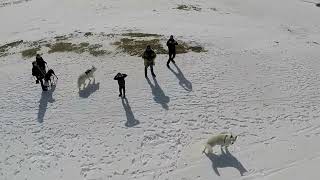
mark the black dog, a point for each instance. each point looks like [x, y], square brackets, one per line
[48, 75]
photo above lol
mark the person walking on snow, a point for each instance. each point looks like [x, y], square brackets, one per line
[171, 43]
[149, 55]
[120, 78]
[37, 72]
[41, 63]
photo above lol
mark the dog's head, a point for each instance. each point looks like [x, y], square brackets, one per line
[230, 139]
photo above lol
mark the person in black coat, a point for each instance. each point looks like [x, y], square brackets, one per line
[37, 72]
[41, 63]
[171, 43]
[120, 78]
[149, 56]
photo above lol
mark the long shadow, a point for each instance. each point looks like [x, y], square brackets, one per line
[46, 97]
[131, 120]
[159, 96]
[226, 159]
[183, 82]
[89, 89]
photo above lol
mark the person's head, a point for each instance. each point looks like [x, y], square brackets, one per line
[171, 37]
[38, 55]
[119, 74]
[148, 48]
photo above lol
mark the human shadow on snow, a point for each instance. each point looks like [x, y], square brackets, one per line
[46, 96]
[183, 82]
[159, 96]
[89, 89]
[225, 159]
[131, 120]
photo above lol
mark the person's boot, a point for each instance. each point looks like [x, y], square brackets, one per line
[120, 95]
[168, 63]
[153, 74]
[173, 61]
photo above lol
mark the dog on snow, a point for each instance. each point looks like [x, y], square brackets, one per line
[224, 140]
[88, 74]
[49, 78]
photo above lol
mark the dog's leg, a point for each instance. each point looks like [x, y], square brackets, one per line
[221, 148]
[204, 150]
[208, 148]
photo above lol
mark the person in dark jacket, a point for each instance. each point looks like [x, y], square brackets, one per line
[120, 78]
[171, 43]
[38, 74]
[41, 63]
[149, 55]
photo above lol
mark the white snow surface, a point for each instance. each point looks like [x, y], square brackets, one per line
[260, 79]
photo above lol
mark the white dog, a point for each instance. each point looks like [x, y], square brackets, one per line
[221, 139]
[86, 75]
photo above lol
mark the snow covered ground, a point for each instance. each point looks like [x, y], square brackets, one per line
[259, 80]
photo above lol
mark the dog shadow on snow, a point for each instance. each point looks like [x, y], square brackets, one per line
[159, 96]
[46, 96]
[225, 159]
[131, 120]
[183, 82]
[90, 88]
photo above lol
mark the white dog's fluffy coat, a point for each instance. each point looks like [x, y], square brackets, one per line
[86, 75]
[221, 139]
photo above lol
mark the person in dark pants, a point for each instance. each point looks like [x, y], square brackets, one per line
[171, 43]
[37, 72]
[120, 78]
[41, 63]
[149, 55]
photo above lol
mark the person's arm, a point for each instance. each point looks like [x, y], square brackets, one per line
[168, 42]
[43, 60]
[144, 56]
[116, 77]
[154, 55]
[124, 75]
[33, 72]
[175, 43]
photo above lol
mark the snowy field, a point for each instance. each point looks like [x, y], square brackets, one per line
[259, 79]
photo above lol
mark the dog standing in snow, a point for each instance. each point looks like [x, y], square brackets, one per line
[224, 140]
[88, 74]
[47, 78]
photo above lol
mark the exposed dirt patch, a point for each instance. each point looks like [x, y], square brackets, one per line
[141, 35]
[132, 43]
[4, 48]
[77, 48]
[10, 3]
[135, 47]
[184, 47]
[188, 7]
[88, 34]
[62, 38]
[28, 53]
